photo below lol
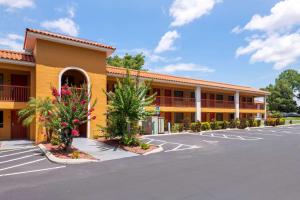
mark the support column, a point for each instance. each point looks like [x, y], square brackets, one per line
[237, 105]
[265, 104]
[198, 103]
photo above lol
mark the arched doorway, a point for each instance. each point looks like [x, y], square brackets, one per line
[75, 77]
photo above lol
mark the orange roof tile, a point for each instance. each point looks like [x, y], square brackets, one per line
[18, 56]
[163, 77]
[66, 37]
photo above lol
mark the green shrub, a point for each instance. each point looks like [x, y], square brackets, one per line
[196, 126]
[258, 123]
[281, 121]
[145, 146]
[276, 115]
[234, 123]
[130, 141]
[186, 124]
[174, 128]
[291, 121]
[214, 125]
[224, 124]
[270, 122]
[252, 122]
[244, 123]
[205, 126]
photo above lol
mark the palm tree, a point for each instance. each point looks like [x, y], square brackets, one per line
[127, 106]
[38, 107]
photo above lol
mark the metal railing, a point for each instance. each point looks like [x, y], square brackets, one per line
[14, 93]
[209, 103]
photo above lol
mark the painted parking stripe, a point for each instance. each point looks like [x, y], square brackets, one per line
[231, 137]
[17, 149]
[13, 154]
[182, 149]
[32, 171]
[26, 163]
[20, 158]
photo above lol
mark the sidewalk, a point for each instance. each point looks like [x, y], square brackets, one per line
[100, 150]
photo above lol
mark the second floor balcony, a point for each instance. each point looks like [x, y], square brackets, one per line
[14, 93]
[205, 103]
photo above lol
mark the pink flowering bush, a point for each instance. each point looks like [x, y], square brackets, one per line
[72, 110]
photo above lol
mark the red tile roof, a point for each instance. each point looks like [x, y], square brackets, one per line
[66, 37]
[18, 56]
[163, 77]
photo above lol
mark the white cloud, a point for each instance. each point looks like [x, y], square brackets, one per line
[184, 67]
[17, 4]
[282, 50]
[167, 41]
[284, 15]
[12, 42]
[277, 42]
[237, 30]
[64, 25]
[186, 11]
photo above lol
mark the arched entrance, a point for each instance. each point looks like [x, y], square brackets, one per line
[75, 77]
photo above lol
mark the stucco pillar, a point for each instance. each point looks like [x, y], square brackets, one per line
[265, 104]
[198, 103]
[237, 104]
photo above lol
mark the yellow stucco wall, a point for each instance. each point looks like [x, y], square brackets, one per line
[52, 58]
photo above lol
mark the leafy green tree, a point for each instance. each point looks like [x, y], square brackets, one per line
[292, 78]
[128, 61]
[43, 108]
[281, 97]
[126, 107]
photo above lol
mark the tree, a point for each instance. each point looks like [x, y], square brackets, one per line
[42, 108]
[72, 110]
[281, 97]
[292, 78]
[128, 61]
[126, 107]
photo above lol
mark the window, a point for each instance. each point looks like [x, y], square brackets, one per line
[219, 97]
[1, 119]
[231, 116]
[193, 117]
[230, 98]
[219, 117]
[1, 79]
[249, 99]
[178, 93]
[178, 117]
[192, 95]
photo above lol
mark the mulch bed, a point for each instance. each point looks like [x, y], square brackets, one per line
[135, 149]
[58, 151]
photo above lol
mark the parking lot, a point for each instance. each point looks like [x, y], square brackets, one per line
[259, 163]
[24, 161]
[208, 139]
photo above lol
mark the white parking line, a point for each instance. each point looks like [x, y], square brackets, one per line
[230, 137]
[18, 153]
[27, 163]
[9, 150]
[32, 171]
[6, 161]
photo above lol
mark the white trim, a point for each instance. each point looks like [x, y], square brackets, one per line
[17, 62]
[69, 42]
[237, 104]
[89, 88]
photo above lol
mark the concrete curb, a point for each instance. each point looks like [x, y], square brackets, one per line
[54, 159]
[157, 150]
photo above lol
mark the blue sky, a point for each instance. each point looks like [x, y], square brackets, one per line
[245, 42]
